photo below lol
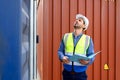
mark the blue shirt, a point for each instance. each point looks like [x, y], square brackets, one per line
[61, 53]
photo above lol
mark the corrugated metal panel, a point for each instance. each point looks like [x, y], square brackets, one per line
[40, 44]
[111, 42]
[97, 39]
[117, 44]
[58, 18]
[56, 38]
[104, 38]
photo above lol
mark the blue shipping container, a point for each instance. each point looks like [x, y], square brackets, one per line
[14, 39]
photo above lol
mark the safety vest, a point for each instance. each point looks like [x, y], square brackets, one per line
[80, 48]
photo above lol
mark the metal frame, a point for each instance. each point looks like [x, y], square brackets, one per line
[33, 54]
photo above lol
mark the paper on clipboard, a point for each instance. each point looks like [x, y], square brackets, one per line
[76, 58]
[93, 55]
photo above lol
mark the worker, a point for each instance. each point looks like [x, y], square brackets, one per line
[76, 43]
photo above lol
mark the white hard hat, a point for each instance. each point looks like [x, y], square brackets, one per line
[85, 19]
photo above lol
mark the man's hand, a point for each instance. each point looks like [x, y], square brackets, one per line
[84, 62]
[65, 59]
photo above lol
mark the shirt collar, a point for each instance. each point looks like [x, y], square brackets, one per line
[77, 36]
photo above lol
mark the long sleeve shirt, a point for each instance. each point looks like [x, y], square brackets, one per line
[61, 54]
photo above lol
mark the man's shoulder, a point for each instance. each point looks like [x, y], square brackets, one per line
[66, 34]
[86, 35]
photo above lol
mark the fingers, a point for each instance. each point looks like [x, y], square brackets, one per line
[84, 62]
[65, 59]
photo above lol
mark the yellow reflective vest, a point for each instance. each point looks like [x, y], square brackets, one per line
[81, 46]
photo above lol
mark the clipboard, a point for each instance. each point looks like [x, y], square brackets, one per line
[76, 58]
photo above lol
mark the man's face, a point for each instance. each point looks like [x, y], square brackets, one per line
[79, 23]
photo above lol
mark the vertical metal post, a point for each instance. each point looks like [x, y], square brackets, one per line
[34, 43]
[31, 39]
[33, 54]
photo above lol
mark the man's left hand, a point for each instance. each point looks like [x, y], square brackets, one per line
[84, 62]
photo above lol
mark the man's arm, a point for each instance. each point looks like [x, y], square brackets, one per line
[61, 53]
[90, 51]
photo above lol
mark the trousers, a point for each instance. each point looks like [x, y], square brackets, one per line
[67, 75]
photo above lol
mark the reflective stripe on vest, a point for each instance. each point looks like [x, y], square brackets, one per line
[81, 46]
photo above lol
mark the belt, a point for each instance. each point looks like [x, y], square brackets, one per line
[72, 72]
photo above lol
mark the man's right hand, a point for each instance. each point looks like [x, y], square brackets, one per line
[65, 59]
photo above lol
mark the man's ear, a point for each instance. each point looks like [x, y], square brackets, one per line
[83, 27]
